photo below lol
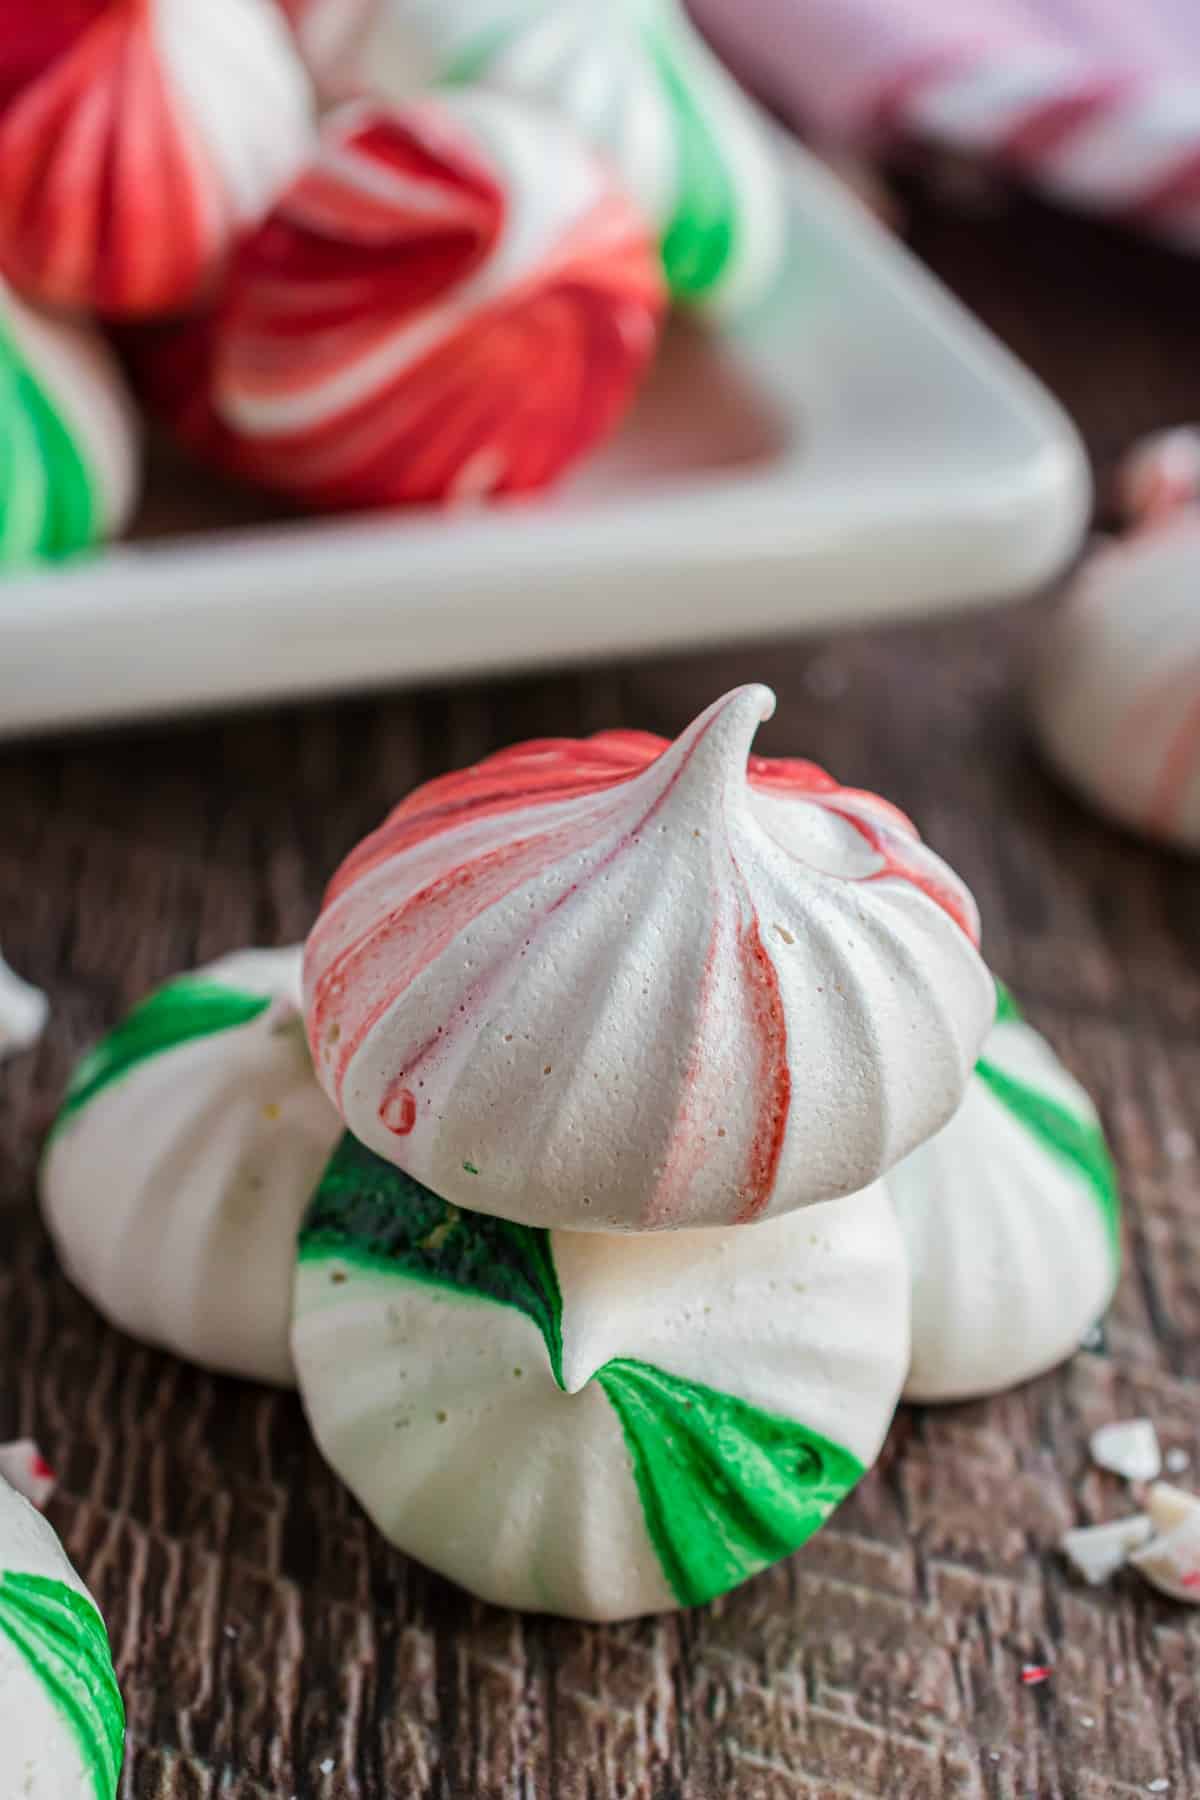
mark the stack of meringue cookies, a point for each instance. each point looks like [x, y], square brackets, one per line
[362, 253]
[638, 1123]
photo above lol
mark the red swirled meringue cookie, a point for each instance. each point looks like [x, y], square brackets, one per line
[136, 138]
[620, 984]
[455, 301]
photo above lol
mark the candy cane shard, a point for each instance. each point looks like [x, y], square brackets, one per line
[1129, 1448]
[1097, 1552]
[1171, 1560]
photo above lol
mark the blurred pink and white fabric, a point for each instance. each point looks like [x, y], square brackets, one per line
[1096, 101]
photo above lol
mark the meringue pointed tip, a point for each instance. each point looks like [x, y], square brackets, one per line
[725, 731]
[710, 758]
[755, 698]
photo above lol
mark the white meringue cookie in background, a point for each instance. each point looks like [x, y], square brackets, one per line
[62, 1723]
[636, 78]
[1116, 685]
[594, 1426]
[1012, 1219]
[190, 1142]
[613, 984]
[23, 1013]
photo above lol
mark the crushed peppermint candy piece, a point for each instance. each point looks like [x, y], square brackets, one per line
[1033, 1674]
[1129, 1448]
[1169, 1506]
[23, 1013]
[1158, 1786]
[1171, 1560]
[1177, 1461]
[24, 1467]
[1098, 1551]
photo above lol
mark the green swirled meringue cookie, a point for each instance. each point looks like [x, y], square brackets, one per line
[1012, 1219]
[188, 1146]
[636, 78]
[591, 1425]
[62, 1723]
[69, 451]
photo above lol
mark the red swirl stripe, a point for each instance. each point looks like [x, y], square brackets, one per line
[368, 254]
[556, 769]
[104, 199]
[407, 938]
[388, 956]
[36, 34]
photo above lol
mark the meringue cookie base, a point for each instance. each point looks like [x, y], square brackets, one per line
[189, 1145]
[594, 1427]
[1011, 1216]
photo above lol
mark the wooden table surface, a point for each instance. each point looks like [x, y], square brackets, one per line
[269, 1644]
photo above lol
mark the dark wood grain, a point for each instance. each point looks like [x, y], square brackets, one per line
[269, 1643]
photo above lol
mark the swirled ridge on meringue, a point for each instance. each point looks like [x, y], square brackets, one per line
[136, 138]
[329, 34]
[619, 984]
[426, 318]
[188, 1145]
[637, 79]
[69, 447]
[1011, 1215]
[589, 1425]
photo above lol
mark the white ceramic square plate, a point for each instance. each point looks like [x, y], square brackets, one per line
[856, 448]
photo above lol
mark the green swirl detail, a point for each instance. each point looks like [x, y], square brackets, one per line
[701, 236]
[48, 501]
[367, 1212]
[1074, 1140]
[61, 1637]
[725, 1488]
[1007, 1010]
[182, 1010]
[472, 62]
